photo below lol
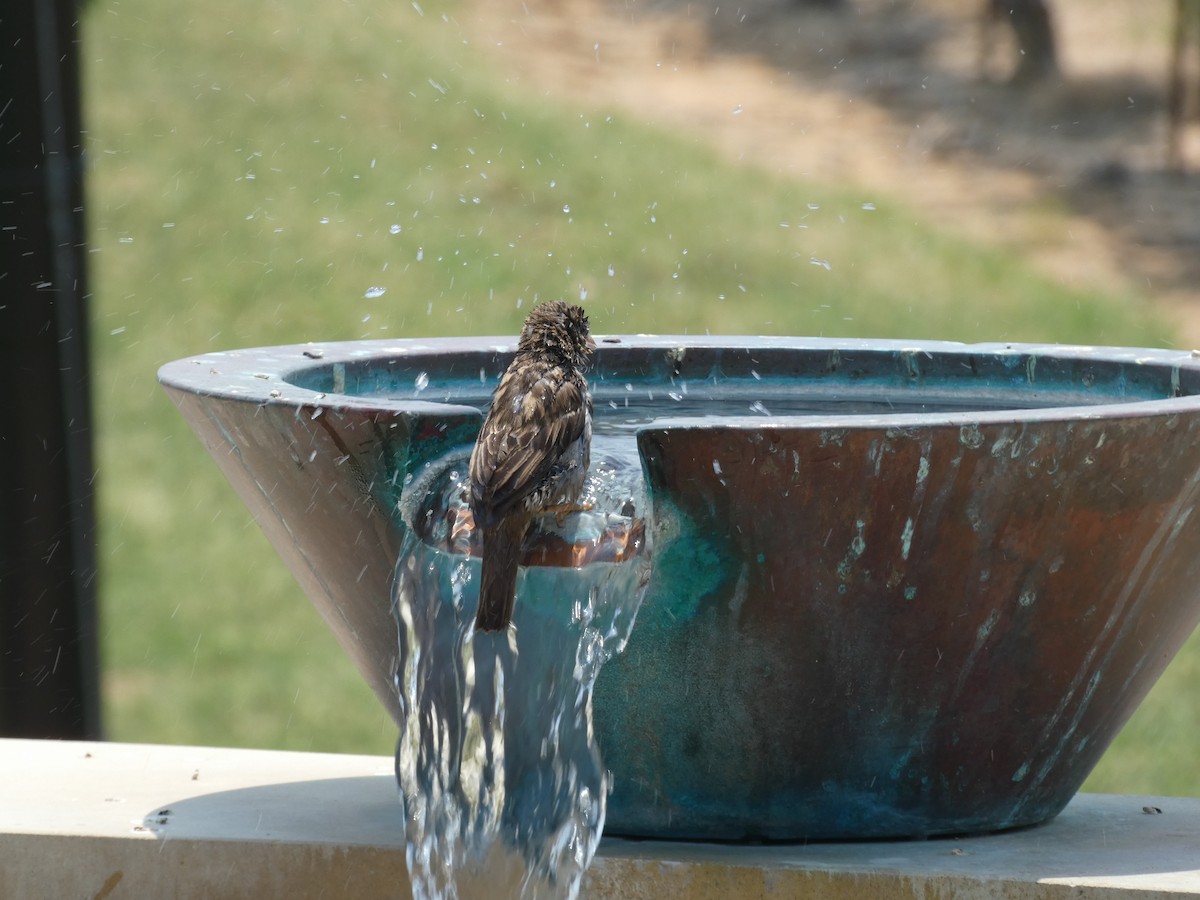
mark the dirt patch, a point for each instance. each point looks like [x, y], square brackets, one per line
[896, 96]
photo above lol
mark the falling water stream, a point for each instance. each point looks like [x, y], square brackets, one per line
[503, 786]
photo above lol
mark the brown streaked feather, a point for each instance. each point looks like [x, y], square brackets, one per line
[533, 449]
[498, 577]
[515, 456]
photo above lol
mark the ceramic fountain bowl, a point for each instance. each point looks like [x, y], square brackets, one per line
[897, 589]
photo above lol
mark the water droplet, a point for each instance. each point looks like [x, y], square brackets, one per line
[823, 263]
[395, 229]
[374, 291]
[611, 271]
[324, 220]
[566, 207]
[420, 253]
[587, 808]
[868, 206]
[737, 110]
[422, 382]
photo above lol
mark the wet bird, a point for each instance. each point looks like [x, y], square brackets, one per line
[532, 454]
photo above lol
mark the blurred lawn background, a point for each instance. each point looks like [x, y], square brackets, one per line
[267, 172]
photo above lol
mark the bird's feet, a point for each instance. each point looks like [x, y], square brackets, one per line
[561, 510]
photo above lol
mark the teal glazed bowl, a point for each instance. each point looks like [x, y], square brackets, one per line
[897, 588]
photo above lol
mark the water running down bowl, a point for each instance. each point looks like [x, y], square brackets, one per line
[898, 588]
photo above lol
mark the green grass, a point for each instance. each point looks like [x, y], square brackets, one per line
[256, 168]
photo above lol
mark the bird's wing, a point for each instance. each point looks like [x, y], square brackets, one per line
[535, 416]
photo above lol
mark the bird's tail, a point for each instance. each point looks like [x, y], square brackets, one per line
[498, 581]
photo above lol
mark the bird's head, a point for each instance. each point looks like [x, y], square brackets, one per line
[560, 330]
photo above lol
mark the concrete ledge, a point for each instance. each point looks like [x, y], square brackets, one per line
[122, 820]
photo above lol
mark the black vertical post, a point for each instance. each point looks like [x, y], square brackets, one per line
[49, 680]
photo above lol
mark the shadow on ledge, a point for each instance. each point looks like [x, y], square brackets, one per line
[362, 810]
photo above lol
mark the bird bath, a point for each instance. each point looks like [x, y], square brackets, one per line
[897, 589]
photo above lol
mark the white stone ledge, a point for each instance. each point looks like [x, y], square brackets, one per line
[123, 820]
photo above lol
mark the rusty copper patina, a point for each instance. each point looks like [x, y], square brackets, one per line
[898, 588]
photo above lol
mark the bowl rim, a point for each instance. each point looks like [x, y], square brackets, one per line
[265, 375]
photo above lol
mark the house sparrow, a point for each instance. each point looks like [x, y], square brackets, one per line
[532, 454]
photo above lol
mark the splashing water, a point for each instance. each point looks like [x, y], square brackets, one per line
[503, 787]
